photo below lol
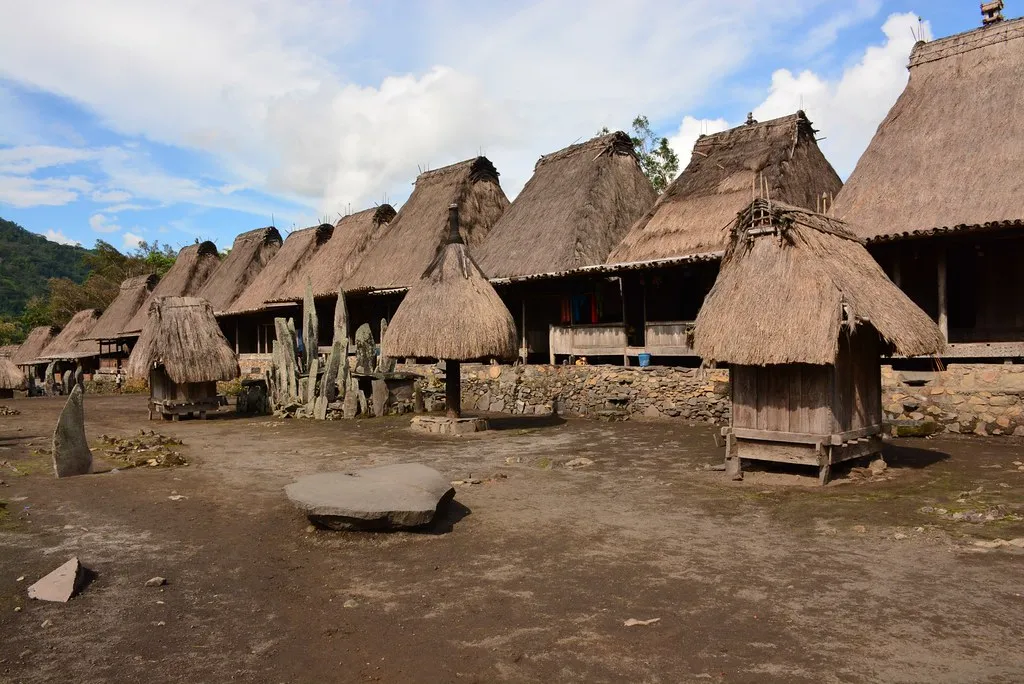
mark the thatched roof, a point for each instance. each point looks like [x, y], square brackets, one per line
[791, 282]
[694, 213]
[452, 312]
[415, 236]
[11, 376]
[948, 154]
[133, 294]
[577, 206]
[183, 336]
[8, 350]
[249, 254]
[194, 265]
[285, 270]
[32, 348]
[74, 341]
[332, 265]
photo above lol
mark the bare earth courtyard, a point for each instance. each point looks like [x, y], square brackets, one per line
[532, 575]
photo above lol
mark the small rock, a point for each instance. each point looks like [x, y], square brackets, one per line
[61, 584]
[46, 623]
[177, 497]
[633, 622]
[351, 603]
[17, 609]
[877, 466]
[161, 623]
[156, 581]
[581, 462]
[859, 529]
[310, 529]
[20, 579]
[899, 535]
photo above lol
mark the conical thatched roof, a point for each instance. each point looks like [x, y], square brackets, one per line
[133, 294]
[792, 281]
[695, 212]
[948, 155]
[249, 254]
[353, 235]
[194, 265]
[285, 270]
[32, 348]
[74, 341]
[415, 236]
[183, 336]
[11, 376]
[577, 206]
[452, 312]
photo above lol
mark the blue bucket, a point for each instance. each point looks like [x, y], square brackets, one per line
[645, 359]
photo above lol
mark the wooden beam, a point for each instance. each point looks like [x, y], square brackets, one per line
[943, 304]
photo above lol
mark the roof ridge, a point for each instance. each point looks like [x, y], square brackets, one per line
[967, 41]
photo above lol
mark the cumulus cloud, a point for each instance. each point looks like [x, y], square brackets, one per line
[102, 224]
[24, 191]
[848, 109]
[60, 238]
[689, 130]
[131, 240]
[27, 159]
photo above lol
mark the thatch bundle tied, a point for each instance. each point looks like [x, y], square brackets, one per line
[182, 335]
[792, 281]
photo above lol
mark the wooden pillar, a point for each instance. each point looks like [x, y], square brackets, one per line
[897, 273]
[236, 337]
[453, 388]
[525, 351]
[625, 331]
[943, 304]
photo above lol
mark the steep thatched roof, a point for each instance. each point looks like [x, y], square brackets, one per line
[133, 294]
[194, 265]
[249, 254]
[452, 312]
[694, 213]
[409, 243]
[32, 348]
[285, 270]
[74, 341]
[11, 376]
[332, 265]
[948, 155]
[577, 206]
[182, 335]
[8, 350]
[791, 282]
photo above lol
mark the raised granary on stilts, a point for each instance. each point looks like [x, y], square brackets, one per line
[182, 353]
[801, 313]
[451, 313]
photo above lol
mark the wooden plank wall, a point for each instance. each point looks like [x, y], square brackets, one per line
[790, 398]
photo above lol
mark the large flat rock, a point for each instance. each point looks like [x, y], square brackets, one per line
[61, 584]
[386, 497]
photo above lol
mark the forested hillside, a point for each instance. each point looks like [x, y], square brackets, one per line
[28, 261]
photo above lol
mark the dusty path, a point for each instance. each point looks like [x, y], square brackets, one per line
[531, 577]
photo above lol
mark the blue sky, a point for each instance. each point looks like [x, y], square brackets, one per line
[125, 120]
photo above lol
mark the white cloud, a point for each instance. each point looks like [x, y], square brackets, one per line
[827, 32]
[131, 240]
[23, 191]
[118, 208]
[101, 224]
[60, 238]
[111, 196]
[847, 110]
[30, 158]
[689, 130]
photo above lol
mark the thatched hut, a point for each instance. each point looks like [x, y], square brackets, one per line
[11, 377]
[453, 314]
[939, 195]
[130, 298]
[801, 313]
[182, 353]
[75, 342]
[250, 253]
[251, 315]
[27, 355]
[193, 266]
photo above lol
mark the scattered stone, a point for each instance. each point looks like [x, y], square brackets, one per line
[20, 579]
[633, 622]
[61, 584]
[386, 497]
[859, 529]
[878, 466]
[17, 609]
[71, 454]
[351, 603]
[177, 497]
[581, 462]
[156, 581]
[899, 535]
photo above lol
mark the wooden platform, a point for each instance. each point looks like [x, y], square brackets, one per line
[822, 451]
[173, 410]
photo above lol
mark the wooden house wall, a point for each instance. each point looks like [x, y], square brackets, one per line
[858, 384]
[162, 388]
[790, 398]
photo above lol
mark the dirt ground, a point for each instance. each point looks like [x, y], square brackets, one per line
[530, 577]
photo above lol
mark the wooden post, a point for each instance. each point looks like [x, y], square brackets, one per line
[943, 305]
[625, 330]
[524, 352]
[236, 337]
[453, 388]
[551, 344]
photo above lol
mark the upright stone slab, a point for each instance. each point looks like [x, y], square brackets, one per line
[385, 364]
[341, 335]
[71, 455]
[80, 377]
[68, 379]
[51, 377]
[350, 407]
[329, 385]
[310, 326]
[379, 396]
[311, 384]
[366, 350]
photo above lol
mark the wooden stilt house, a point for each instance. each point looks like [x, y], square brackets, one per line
[182, 353]
[801, 313]
[113, 349]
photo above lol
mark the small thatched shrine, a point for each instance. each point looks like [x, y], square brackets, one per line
[11, 377]
[453, 314]
[801, 313]
[183, 354]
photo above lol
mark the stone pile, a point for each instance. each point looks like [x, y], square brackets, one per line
[146, 449]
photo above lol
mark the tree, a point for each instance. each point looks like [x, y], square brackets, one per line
[658, 161]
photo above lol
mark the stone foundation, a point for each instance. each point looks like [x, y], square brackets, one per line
[984, 399]
[442, 425]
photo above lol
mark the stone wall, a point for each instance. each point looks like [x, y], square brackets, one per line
[610, 392]
[984, 399]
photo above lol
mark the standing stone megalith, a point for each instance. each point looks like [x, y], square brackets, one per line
[71, 455]
[366, 350]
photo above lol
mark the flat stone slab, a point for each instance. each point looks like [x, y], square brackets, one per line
[61, 584]
[386, 497]
[442, 425]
